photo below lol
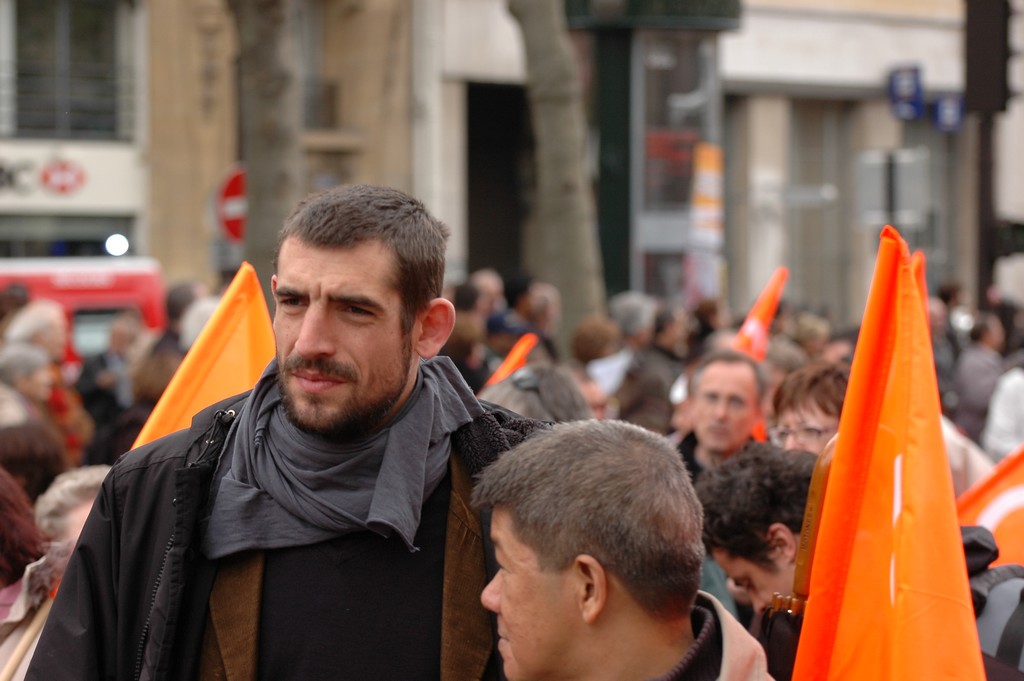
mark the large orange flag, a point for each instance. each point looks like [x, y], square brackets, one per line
[997, 502]
[752, 338]
[227, 358]
[889, 598]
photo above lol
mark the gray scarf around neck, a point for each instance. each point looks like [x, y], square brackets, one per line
[280, 486]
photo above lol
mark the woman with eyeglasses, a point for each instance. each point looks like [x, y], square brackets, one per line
[809, 401]
[807, 405]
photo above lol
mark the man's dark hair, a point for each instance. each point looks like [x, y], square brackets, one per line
[179, 297]
[761, 485]
[465, 297]
[517, 285]
[349, 215]
[983, 325]
[948, 292]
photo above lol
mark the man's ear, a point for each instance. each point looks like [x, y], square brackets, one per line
[783, 543]
[432, 327]
[590, 584]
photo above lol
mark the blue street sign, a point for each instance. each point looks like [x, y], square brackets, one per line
[906, 94]
[949, 113]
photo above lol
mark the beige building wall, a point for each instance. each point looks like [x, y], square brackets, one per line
[191, 115]
[759, 163]
[966, 247]
[836, 51]
[367, 52]
[191, 127]
[374, 52]
[874, 127]
[454, 177]
[1009, 146]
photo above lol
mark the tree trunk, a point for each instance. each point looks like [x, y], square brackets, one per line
[561, 240]
[270, 113]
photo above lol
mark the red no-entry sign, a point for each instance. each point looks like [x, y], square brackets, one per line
[230, 205]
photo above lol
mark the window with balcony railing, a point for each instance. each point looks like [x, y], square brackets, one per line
[68, 75]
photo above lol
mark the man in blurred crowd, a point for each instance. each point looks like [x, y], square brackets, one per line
[726, 392]
[179, 298]
[105, 383]
[633, 312]
[492, 291]
[597, 533]
[643, 397]
[977, 371]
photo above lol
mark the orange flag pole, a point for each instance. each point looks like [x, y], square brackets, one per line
[997, 502]
[889, 598]
[515, 359]
[752, 338]
[227, 358]
[918, 268]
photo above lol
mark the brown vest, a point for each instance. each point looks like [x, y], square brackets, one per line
[231, 641]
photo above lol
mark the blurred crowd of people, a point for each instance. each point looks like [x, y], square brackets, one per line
[62, 424]
[674, 371]
[666, 368]
[636, 360]
[92, 406]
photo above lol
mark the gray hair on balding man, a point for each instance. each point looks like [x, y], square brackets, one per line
[610, 490]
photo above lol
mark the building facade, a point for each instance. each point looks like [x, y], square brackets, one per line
[837, 122]
[745, 147]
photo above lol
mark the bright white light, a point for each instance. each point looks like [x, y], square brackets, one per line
[117, 244]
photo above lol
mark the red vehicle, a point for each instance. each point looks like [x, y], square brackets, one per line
[92, 291]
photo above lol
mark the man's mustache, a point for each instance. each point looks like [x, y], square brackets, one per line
[323, 366]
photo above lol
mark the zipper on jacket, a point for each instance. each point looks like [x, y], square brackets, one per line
[213, 440]
[149, 613]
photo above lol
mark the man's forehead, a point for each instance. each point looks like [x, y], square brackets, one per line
[738, 374]
[296, 242]
[374, 250]
[502, 530]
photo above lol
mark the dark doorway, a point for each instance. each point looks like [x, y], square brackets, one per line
[500, 174]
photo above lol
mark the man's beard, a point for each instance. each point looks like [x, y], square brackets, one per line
[356, 420]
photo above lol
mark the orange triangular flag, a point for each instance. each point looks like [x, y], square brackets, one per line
[889, 598]
[227, 358]
[515, 359]
[752, 338]
[997, 502]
